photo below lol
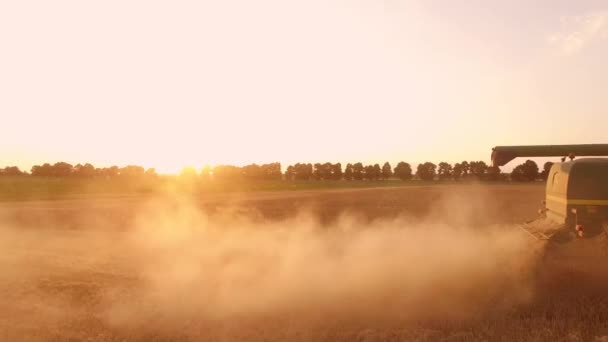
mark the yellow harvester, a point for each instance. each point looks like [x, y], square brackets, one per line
[576, 197]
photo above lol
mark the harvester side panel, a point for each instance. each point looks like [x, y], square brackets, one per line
[556, 200]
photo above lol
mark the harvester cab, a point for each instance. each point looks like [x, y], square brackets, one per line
[576, 196]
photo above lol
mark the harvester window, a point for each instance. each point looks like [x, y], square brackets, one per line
[589, 181]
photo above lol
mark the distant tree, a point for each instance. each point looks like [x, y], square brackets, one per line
[272, 171]
[36, 170]
[317, 173]
[444, 171]
[426, 171]
[11, 171]
[62, 169]
[403, 171]
[151, 173]
[114, 171]
[377, 172]
[518, 174]
[348, 172]
[478, 169]
[531, 170]
[227, 173]
[132, 171]
[108, 172]
[289, 173]
[465, 169]
[373, 172]
[252, 172]
[457, 171]
[546, 168]
[306, 171]
[387, 171]
[358, 171]
[44, 170]
[303, 171]
[493, 173]
[85, 171]
[369, 173]
[327, 171]
[526, 172]
[336, 171]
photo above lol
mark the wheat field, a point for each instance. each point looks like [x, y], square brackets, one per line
[392, 264]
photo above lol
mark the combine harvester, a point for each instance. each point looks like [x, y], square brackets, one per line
[576, 197]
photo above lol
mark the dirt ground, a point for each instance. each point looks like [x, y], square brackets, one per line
[391, 264]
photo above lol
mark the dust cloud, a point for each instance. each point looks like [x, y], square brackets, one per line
[226, 266]
[178, 266]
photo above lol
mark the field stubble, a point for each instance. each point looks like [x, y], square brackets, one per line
[415, 263]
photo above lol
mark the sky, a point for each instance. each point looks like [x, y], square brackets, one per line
[169, 84]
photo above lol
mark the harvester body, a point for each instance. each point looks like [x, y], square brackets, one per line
[577, 194]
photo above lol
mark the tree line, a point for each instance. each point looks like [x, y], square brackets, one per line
[63, 169]
[476, 170]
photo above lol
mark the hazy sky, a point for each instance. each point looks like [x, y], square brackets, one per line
[172, 83]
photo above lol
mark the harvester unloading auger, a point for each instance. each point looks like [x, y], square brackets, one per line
[576, 196]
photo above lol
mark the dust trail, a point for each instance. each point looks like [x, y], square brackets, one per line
[177, 271]
[196, 267]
